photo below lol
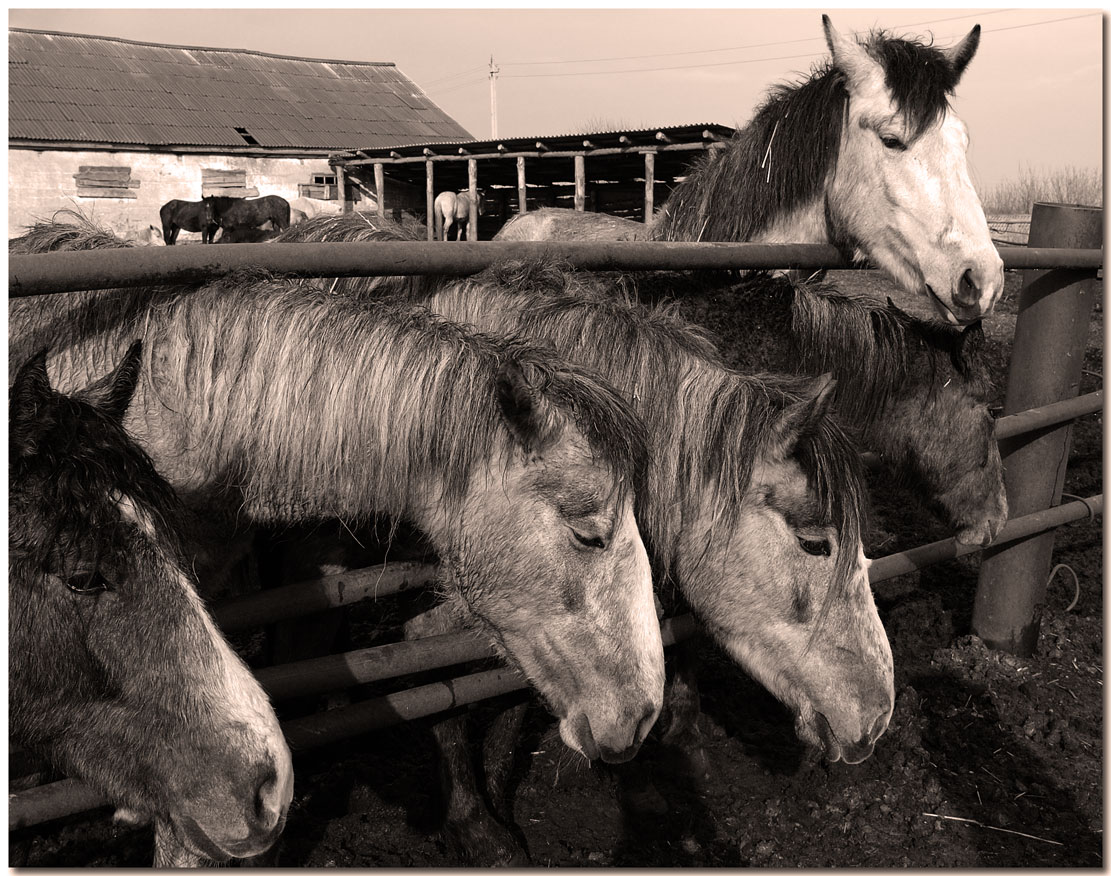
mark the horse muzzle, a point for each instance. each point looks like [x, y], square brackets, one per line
[611, 741]
[851, 751]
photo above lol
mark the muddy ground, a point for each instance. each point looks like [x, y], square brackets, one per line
[990, 760]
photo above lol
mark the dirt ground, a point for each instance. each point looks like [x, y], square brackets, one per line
[990, 760]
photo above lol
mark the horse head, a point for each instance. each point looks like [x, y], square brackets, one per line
[117, 673]
[556, 519]
[783, 584]
[901, 192]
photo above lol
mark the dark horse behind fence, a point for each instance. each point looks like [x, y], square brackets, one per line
[187, 215]
[117, 674]
[232, 213]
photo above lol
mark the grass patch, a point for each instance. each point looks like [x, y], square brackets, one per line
[1067, 185]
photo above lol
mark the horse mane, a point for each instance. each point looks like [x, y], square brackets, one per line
[878, 351]
[706, 423]
[421, 407]
[239, 346]
[734, 193]
[80, 456]
[66, 319]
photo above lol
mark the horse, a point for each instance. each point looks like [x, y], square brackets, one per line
[866, 154]
[233, 213]
[754, 504]
[266, 402]
[450, 208]
[916, 391]
[190, 216]
[117, 674]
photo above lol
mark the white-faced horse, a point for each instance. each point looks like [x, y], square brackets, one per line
[866, 154]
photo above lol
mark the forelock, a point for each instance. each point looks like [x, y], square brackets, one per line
[919, 77]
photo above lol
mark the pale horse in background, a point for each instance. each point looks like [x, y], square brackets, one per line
[450, 209]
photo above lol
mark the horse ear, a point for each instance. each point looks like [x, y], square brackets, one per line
[30, 391]
[849, 57]
[970, 344]
[800, 418]
[960, 54]
[521, 407]
[112, 393]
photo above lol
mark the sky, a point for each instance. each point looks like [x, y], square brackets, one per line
[1032, 96]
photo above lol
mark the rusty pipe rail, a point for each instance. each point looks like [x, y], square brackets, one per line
[48, 273]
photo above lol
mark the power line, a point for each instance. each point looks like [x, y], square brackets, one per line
[755, 60]
[451, 76]
[739, 48]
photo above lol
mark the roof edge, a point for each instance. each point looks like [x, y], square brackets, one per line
[91, 36]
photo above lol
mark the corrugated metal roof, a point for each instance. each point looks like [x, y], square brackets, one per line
[106, 90]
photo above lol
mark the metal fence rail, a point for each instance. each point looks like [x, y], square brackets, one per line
[50, 273]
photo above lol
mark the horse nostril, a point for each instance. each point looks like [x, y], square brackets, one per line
[646, 722]
[968, 292]
[267, 805]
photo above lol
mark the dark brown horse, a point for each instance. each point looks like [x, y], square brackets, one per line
[187, 215]
[235, 213]
[117, 674]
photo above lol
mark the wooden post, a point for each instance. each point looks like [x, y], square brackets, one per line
[380, 188]
[342, 190]
[580, 183]
[472, 190]
[429, 197]
[649, 186]
[1051, 335]
[522, 192]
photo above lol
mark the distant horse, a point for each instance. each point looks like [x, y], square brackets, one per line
[117, 675]
[866, 154]
[233, 213]
[187, 215]
[450, 209]
[266, 402]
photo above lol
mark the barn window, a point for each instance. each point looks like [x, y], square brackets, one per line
[105, 182]
[231, 183]
[323, 187]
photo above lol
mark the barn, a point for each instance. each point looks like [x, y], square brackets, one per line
[623, 173]
[114, 128]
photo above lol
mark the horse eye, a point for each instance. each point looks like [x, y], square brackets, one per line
[817, 547]
[589, 541]
[87, 583]
[893, 143]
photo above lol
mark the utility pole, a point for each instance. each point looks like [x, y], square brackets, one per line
[494, 71]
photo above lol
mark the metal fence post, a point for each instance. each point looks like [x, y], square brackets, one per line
[1051, 335]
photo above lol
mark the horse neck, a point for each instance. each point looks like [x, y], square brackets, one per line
[309, 407]
[767, 183]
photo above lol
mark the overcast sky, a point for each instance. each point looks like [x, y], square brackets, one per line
[1032, 97]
